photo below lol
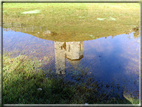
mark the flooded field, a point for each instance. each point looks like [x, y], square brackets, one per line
[80, 46]
[112, 59]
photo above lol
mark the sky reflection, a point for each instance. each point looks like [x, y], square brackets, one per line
[109, 59]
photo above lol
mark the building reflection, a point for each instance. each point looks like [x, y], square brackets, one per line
[73, 51]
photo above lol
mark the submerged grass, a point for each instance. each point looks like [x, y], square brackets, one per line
[22, 84]
[75, 21]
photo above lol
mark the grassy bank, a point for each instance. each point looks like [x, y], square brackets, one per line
[22, 84]
[75, 21]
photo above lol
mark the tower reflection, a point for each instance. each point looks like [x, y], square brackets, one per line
[73, 51]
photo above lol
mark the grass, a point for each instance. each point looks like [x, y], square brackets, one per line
[21, 83]
[75, 21]
[72, 22]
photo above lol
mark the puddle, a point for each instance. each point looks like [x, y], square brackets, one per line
[110, 18]
[109, 59]
[31, 12]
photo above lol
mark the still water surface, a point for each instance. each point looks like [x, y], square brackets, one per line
[112, 59]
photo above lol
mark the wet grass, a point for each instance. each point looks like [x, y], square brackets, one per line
[24, 83]
[75, 21]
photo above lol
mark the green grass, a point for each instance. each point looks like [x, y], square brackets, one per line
[71, 22]
[21, 81]
[75, 21]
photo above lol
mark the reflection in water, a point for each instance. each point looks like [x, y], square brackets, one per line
[73, 51]
[59, 57]
[110, 59]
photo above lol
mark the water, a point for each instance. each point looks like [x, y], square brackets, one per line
[112, 59]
